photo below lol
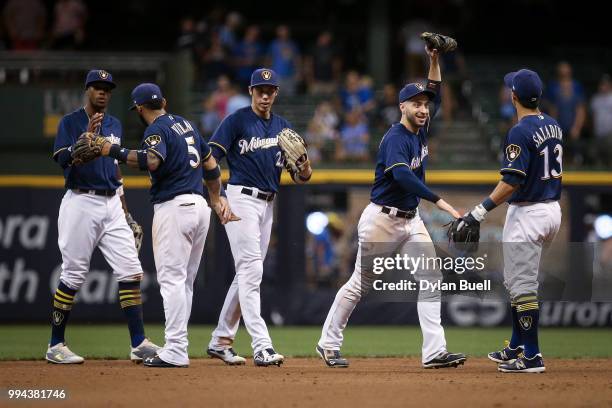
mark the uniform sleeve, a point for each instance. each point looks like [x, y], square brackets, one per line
[516, 154]
[411, 183]
[63, 144]
[434, 86]
[223, 137]
[154, 141]
[396, 154]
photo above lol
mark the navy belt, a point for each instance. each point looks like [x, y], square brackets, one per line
[410, 214]
[105, 193]
[260, 195]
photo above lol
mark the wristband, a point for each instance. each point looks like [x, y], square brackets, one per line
[212, 174]
[118, 153]
[141, 155]
[488, 204]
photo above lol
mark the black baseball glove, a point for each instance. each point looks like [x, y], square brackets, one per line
[442, 43]
[465, 231]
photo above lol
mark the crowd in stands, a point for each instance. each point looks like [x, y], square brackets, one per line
[352, 114]
[27, 25]
[586, 123]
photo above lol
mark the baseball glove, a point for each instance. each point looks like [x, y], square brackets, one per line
[293, 148]
[136, 229]
[87, 148]
[464, 233]
[440, 42]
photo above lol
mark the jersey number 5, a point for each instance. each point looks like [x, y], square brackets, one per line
[191, 150]
[551, 170]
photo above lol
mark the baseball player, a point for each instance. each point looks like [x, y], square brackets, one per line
[177, 159]
[392, 216]
[531, 183]
[249, 139]
[93, 213]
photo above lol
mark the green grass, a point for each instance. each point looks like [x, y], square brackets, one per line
[23, 342]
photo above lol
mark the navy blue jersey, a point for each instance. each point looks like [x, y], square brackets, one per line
[99, 174]
[182, 150]
[399, 147]
[533, 149]
[251, 146]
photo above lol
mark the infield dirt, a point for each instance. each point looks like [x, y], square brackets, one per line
[306, 382]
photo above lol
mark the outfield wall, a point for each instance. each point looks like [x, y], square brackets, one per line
[30, 260]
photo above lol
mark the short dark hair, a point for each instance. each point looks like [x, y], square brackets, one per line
[154, 105]
[529, 104]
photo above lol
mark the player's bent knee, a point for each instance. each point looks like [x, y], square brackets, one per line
[73, 279]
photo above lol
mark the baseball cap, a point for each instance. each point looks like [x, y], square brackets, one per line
[264, 76]
[145, 92]
[414, 89]
[99, 75]
[525, 83]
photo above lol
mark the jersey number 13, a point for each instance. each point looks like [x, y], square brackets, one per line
[550, 168]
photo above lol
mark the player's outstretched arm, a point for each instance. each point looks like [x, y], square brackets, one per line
[435, 73]
[145, 160]
[410, 182]
[212, 178]
[502, 192]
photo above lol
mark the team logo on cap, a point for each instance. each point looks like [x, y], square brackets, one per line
[512, 152]
[265, 74]
[153, 140]
[103, 74]
[420, 87]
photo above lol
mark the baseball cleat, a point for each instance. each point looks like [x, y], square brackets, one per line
[228, 356]
[61, 354]
[524, 365]
[506, 355]
[332, 358]
[157, 362]
[145, 349]
[268, 357]
[446, 359]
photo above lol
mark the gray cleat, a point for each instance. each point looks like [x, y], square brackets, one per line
[61, 354]
[145, 349]
[332, 358]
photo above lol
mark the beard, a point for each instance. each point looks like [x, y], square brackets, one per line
[414, 121]
[144, 122]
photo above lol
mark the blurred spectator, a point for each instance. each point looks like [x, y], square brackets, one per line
[507, 112]
[221, 95]
[69, 25]
[455, 74]
[354, 138]
[414, 49]
[321, 134]
[214, 60]
[566, 103]
[323, 66]
[324, 255]
[285, 60]
[355, 95]
[188, 36]
[601, 106]
[236, 100]
[247, 54]
[25, 21]
[388, 111]
[209, 119]
[227, 32]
